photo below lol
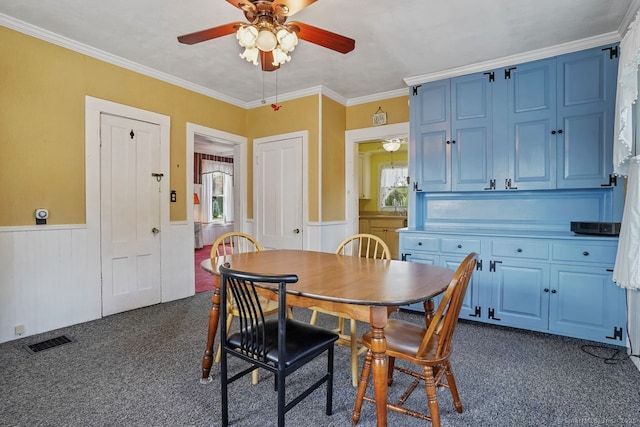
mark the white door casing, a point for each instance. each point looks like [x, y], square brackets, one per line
[280, 190]
[130, 213]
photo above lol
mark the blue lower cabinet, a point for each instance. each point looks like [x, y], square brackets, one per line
[557, 285]
[519, 294]
[585, 303]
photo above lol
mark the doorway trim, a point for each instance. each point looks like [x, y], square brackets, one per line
[352, 139]
[239, 144]
[94, 107]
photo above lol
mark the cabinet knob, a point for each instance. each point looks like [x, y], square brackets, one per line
[519, 250]
[546, 289]
[419, 243]
[585, 253]
[559, 130]
[553, 132]
[459, 246]
[553, 291]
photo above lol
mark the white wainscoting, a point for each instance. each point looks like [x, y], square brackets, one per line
[47, 280]
[44, 280]
[210, 232]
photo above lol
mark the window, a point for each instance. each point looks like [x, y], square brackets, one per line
[394, 190]
[217, 192]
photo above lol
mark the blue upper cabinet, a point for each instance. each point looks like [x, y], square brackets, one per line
[472, 132]
[430, 156]
[536, 126]
[530, 118]
[586, 103]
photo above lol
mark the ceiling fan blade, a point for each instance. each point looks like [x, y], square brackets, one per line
[266, 59]
[323, 38]
[211, 33]
[242, 4]
[289, 7]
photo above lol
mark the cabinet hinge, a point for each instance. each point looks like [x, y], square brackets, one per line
[403, 257]
[617, 334]
[492, 265]
[507, 72]
[507, 184]
[477, 312]
[492, 185]
[415, 90]
[613, 51]
[492, 314]
[613, 181]
[415, 186]
[492, 76]
[479, 265]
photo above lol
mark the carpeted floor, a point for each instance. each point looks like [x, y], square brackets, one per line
[142, 368]
[204, 280]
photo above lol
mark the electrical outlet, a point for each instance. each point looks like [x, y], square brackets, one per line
[19, 329]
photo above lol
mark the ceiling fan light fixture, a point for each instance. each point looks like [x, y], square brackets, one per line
[287, 40]
[247, 36]
[280, 57]
[266, 40]
[250, 54]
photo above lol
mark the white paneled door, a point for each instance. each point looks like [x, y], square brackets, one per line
[130, 213]
[278, 186]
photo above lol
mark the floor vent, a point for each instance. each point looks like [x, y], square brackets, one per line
[47, 344]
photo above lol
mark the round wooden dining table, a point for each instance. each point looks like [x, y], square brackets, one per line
[364, 289]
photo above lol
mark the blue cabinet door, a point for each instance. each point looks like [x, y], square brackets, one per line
[472, 132]
[430, 152]
[531, 117]
[586, 102]
[472, 303]
[585, 303]
[518, 294]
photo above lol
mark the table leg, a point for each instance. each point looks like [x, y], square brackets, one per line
[214, 317]
[428, 311]
[379, 317]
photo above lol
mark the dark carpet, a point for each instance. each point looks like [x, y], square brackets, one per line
[142, 368]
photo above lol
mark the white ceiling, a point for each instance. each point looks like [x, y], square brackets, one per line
[397, 43]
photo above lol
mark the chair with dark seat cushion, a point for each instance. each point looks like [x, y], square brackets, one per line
[280, 345]
[428, 346]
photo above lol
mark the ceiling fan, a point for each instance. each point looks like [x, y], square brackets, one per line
[268, 37]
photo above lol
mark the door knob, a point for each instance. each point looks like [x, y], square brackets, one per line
[296, 231]
[155, 230]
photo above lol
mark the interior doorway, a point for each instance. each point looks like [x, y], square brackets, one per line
[201, 139]
[352, 139]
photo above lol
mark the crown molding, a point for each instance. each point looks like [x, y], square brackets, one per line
[533, 55]
[84, 49]
[378, 97]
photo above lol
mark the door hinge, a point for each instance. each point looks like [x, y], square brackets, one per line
[613, 181]
[492, 265]
[415, 90]
[507, 72]
[492, 185]
[613, 51]
[492, 314]
[617, 334]
[477, 312]
[479, 265]
[492, 76]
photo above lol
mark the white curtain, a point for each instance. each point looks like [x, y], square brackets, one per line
[626, 272]
[207, 170]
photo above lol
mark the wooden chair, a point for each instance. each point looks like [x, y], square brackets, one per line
[280, 345]
[237, 242]
[366, 246]
[428, 346]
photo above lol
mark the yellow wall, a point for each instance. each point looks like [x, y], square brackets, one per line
[333, 159]
[361, 115]
[295, 115]
[42, 114]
